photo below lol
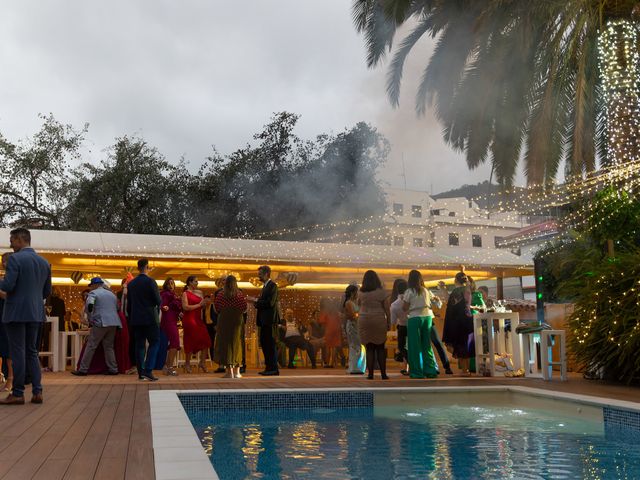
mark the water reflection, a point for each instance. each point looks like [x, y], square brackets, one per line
[443, 443]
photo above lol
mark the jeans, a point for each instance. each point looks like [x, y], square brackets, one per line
[437, 343]
[23, 347]
[144, 334]
[402, 341]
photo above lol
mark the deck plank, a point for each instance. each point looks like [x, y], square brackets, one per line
[140, 464]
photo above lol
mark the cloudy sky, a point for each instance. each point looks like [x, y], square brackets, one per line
[190, 74]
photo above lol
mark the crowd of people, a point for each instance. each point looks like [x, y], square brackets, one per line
[140, 325]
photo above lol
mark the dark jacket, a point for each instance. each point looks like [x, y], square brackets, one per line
[27, 282]
[267, 305]
[143, 301]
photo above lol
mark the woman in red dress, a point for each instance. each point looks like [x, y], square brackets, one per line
[196, 338]
[330, 318]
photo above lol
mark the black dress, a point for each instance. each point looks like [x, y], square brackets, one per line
[458, 324]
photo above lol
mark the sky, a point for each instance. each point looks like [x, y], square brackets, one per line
[188, 75]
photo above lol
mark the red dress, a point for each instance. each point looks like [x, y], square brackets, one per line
[332, 329]
[196, 337]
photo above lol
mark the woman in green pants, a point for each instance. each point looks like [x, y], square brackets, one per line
[417, 302]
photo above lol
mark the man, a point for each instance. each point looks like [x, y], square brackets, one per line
[294, 339]
[58, 308]
[102, 308]
[143, 303]
[267, 319]
[27, 283]
[484, 290]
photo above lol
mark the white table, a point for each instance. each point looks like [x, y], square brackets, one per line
[497, 341]
[53, 344]
[544, 368]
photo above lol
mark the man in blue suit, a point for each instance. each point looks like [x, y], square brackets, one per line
[26, 285]
[143, 310]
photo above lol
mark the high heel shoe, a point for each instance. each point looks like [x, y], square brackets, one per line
[187, 369]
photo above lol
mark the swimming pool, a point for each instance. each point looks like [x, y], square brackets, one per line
[483, 434]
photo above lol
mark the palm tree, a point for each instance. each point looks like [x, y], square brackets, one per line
[546, 80]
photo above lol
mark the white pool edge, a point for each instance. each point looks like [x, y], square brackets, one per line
[174, 437]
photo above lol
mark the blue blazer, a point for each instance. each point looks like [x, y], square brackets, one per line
[27, 282]
[143, 301]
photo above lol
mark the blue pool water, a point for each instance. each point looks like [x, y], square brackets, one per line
[444, 442]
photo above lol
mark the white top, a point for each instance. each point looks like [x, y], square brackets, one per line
[292, 329]
[419, 305]
[398, 315]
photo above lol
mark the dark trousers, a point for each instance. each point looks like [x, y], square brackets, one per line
[244, 345]
[402, 341]
[297, 341]
[132, 343]
[23, 348]
[437, 343]
[211, 329]
[268, 345]
[146, 334]
[376, 355]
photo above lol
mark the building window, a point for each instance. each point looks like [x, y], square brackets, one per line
[398, 241]
[476, 240]
[432, 239]
[454, 239]
[417, 242]
[452, 214]
[435, 212]
[497, 241]
[398, 209]
[416, 211]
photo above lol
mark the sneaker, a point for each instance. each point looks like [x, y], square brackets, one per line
[150, 377]
[78, 373]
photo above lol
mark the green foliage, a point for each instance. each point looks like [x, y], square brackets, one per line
[35, 176]
[604, 326]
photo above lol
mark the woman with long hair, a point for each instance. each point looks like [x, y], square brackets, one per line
[196, 338]
[350, 311]
[230, 305]
[171, 308]
[458, 322]
[417, 303]
[399, 319]
[373, 322]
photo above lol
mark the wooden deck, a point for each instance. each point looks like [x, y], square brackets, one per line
[99, 426]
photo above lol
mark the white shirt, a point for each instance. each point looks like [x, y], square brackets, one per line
[292, 329]
[419, 304]
[398, 315]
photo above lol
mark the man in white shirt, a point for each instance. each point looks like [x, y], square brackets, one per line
[399, 318]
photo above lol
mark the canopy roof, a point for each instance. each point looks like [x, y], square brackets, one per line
[68, 251]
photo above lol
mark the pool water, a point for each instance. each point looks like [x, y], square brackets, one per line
[396, 442]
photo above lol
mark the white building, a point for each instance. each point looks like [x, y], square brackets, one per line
[417, 219]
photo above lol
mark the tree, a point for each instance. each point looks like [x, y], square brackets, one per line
[559, 77]
[35, 175]
[134, 191]
[287, 185]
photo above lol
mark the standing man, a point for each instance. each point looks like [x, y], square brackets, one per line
[102, 306]
[27, 283]
[267, 319]
[143, 304]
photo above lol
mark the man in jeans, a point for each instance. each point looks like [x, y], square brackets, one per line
[102, 307]
[26, 285]
[143, 309]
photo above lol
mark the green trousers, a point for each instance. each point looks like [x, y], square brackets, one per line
[422, 362]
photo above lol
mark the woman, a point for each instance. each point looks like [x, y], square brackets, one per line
[350, 311]
[458, 322]
[122, 340]
[417, 302]
[373, 322]
[330, 319]
[230, 305]
[196, 338]
[399, 318]
[171, 307]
